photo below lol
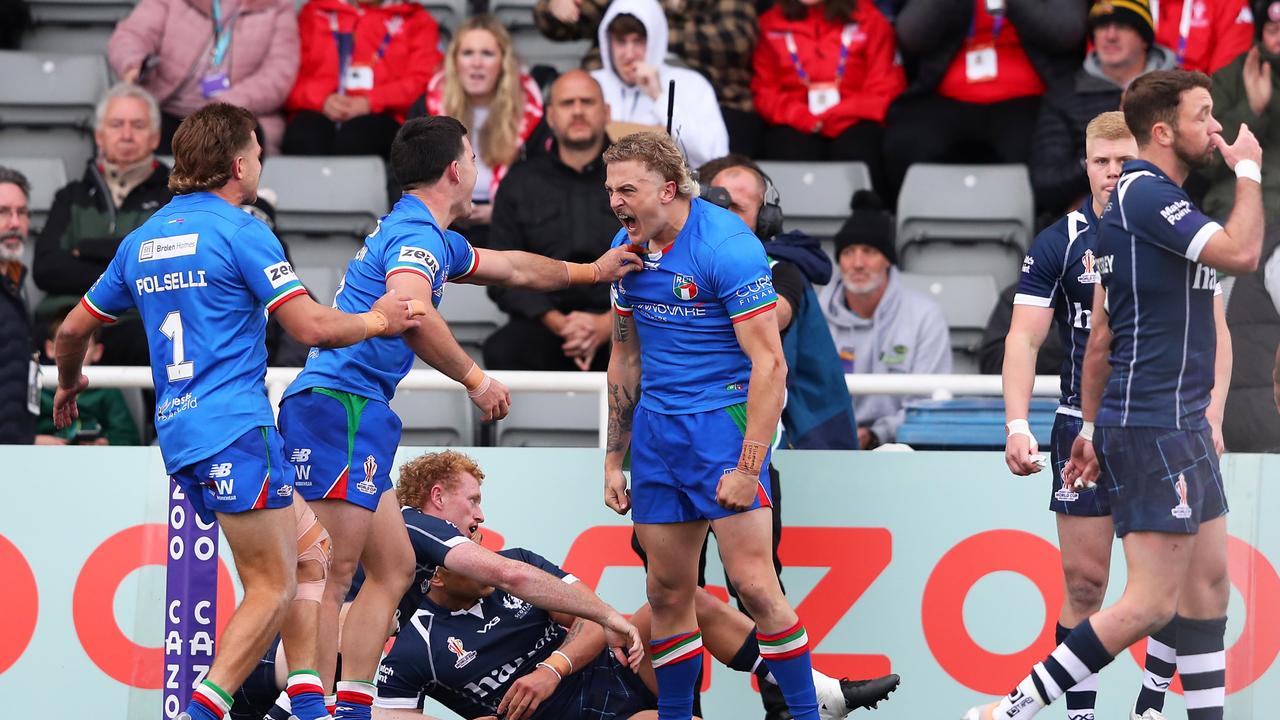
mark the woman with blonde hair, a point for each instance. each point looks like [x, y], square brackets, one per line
[483, 86]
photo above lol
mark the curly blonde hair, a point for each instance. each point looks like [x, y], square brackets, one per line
[658, 153]
[499, 139]
[421, 474]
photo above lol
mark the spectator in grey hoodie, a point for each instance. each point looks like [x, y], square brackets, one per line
[879, 325]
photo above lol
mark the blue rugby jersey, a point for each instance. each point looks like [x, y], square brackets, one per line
[1159, 302]
[408, 239]
[1060, 272]
[685, 302]
[203, 275]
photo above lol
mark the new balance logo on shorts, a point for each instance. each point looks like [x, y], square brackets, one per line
[220, 470]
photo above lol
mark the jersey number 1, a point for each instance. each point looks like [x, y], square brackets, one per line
[179, 369]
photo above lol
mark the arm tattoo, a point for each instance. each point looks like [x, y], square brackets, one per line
[621, 329]
[622, 408]
[574, 631]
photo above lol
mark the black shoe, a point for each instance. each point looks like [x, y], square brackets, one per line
[867, 693]
[775, 706]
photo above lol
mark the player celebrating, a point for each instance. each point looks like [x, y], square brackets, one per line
[340, 431]
[201, 273]
[696, 330]
[1155, 311]
[1058, 279]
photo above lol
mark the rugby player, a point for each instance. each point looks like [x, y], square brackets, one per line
[204, 274]
[339, 430]
[1156, 315]
[696, 331]
[1057, 284]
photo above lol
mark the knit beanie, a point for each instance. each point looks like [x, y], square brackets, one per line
[868, 225]
[1134, 13]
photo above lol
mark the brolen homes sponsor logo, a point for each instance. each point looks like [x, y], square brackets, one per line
[163, 248]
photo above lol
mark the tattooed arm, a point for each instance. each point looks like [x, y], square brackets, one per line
[623, 385]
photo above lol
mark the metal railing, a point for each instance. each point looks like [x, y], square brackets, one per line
[938, 387]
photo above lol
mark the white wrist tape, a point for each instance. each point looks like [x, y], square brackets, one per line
[1020, 427]
[1086, 431]
[1249, 170]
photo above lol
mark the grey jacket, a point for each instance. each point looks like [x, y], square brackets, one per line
[906, 334]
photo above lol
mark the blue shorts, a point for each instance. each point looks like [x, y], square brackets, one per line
[677, 462]
[248, 474]
[1160, 480]
[603, 690]
[341, 445]
[1089, 502]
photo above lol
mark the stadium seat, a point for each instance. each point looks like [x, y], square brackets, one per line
[435, 418]
[471, 316]
[513, 13]
[80, 12]
[969, 423]
[966, 302]
[321, 261]
[965, 219]
[535, 49]
[46, 176]
[327, 195]
[57, 37]
[551, 419]
[46, 105]
[815, 196]
[449, 14]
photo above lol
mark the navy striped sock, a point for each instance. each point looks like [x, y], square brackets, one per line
[1084, 695]
[1161, 657]
[1078, 657]
[1202, 663]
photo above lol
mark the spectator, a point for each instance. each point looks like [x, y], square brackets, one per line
[555, 204]
[983, 73]
[361, 78]
[19, 390]
[104, 416]
[188, 52]
[122, 187]
[1205, 34]
[1250, 422]
[636, 79]
[818, 412]
[713, 37]
[1124, 48]
[880, 326]
[825, 74]
[1244, 93]
[483, 86]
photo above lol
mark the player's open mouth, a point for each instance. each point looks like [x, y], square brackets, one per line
[628, 222]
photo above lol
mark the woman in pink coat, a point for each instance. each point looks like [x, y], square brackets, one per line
[189, 52]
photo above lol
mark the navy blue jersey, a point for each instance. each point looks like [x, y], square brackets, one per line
[1060, 272]
[407, 240]
[468, 659]
[432, 538]
[685, 303]
[203, 274]
[1159, 301]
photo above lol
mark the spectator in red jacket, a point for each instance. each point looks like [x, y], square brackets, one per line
[366, 62]
[483, 86]
[1206, 34]
[824, 77]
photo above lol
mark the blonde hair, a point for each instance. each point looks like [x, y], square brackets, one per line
[498, 142]
[658, 153]
[421, 474]
[1107, 126]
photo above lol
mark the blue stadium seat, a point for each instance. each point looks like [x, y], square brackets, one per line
[969, 423]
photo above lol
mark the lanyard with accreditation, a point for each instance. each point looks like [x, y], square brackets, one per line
[823, 96]
[358, 77]
[216, 80]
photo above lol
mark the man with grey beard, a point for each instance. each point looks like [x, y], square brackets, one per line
[19, 396]
[878, 325]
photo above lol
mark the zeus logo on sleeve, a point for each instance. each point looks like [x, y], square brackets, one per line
[280, 274]
[418, 256]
